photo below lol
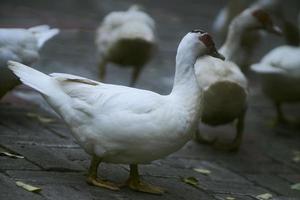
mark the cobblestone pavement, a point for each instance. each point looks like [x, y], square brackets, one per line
[266, 162]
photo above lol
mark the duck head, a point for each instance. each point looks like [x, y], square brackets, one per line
[199, 43]
[254, 19]
[266, 22]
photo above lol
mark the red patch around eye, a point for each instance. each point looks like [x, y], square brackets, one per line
[207, 40]
[262, 16]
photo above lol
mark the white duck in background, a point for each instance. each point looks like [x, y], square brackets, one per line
[126, 38]
[20, 45]
[119, 124]
[280, 74]
[225, 87]
[250, 40]
[249, 21]
[226, 15]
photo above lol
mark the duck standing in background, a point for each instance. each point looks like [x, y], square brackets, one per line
[251, 40]
[21, 45]
[123, 125]
[126, 38]
[280, 74]
[249, 21]
[225, 87]
[226, 15]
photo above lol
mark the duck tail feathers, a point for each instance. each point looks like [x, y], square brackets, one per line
[43, 33]
[33, 78]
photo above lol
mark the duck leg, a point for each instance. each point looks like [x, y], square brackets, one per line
[235, 145]
[92, 176]
[136, 184]
[102, 69]
[135, 75]
[280, 116]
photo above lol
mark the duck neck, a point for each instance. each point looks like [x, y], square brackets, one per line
[233, 40]
[185, 85]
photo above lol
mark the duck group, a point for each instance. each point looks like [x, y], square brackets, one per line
[126, 125]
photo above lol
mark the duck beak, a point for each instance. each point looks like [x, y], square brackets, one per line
[275, 30]
[216, 54]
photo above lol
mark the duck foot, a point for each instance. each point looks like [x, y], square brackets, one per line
[136, 184]
[102, 183]
[141, 186]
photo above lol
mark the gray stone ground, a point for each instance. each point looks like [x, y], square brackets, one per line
[53, 161]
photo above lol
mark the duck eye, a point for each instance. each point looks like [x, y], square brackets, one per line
[207, 40]
[198, 31]
[262, 16]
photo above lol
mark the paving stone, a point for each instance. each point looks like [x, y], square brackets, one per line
[9, 190]
[62, 192]
[45, 141]
[285, 198]
[292, 178]
[45, 158]
[4, 131]
[45, 177]
[257, 168]
[74, 154]
[237, 197]
[169, 172]
[275, 183]
[218, 173]
[19, 164]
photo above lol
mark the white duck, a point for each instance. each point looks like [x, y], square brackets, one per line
[224, 85]
[118, 124]
[280, 74]
[249, 21]
[226, 15]
[127, 39]
[20, 45]
[250, 40]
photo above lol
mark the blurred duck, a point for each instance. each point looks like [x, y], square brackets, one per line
[118, 124]
[280, 73]
[126, 38]
[249, 21]
[226, 15]
[250, 40]
[224, 85]
[20, 45]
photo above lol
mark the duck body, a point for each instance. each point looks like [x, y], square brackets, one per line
[20, 45]
[139, 54]
[126, 38]
[224, 90]
[134, 126]
[280, 73]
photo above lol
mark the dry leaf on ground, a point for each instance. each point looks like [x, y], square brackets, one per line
[191, 181]
[40, 118]
[230, 198]
[28, 187]
[296, 186]
[265, 196]
[202, 171]
[11, 155]
[296, 157]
